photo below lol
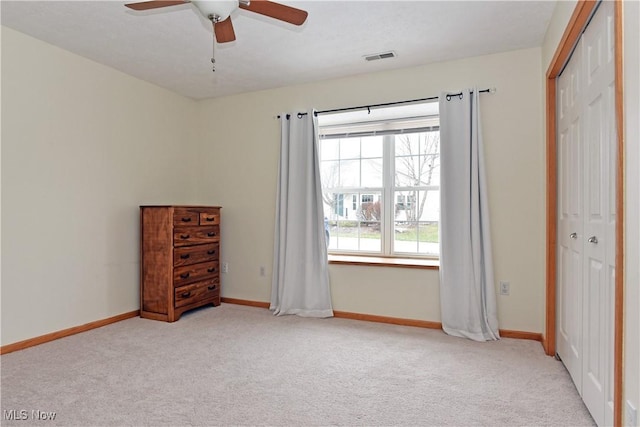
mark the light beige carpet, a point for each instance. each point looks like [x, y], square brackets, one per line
[235, 365]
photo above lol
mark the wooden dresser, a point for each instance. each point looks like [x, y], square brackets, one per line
[179, 259]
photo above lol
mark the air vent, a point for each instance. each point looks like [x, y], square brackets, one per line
[376, 56]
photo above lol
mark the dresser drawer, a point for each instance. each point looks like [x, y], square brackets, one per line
[193, 273]
[187, 255]
[183, 236]
[183, 216]
[210, 217]
[185, 295]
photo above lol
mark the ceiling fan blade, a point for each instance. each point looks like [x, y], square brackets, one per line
[224, 31]
[145, 5]
[276, 10]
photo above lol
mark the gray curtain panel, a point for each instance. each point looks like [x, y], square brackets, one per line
[467, 293]
[300, 268]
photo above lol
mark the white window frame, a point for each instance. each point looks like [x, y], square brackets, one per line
[388, 190]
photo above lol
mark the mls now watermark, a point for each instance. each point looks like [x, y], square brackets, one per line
[24, 414]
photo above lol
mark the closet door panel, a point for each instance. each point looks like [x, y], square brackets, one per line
[570, 219]
[599, 172]
[610, 220]
[609, 345]
[594, 380]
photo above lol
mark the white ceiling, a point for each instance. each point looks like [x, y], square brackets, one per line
[171, 47]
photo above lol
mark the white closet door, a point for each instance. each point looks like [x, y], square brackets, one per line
[570, 217]
[586, 214]
[599, 179]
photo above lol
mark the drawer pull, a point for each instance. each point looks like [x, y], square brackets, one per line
[211, 288]
[211, 252]
[184, 256]
[184, 275]
[211, 233]
[210, 218]
[184, 236]
[185, 294]
[211, 269]
[186, 219]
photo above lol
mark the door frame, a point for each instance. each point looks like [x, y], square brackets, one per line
[579, 19]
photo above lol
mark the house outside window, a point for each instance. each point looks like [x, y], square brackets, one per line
[388, 164]
[404, 202]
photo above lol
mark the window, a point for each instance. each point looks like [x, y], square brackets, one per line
[387, 162]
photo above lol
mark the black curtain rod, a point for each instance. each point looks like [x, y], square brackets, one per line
[386, 104]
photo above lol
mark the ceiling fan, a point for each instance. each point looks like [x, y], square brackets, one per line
[219, 11]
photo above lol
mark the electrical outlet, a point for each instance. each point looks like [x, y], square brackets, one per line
[630, 415]
[504, 288]
[225, 267]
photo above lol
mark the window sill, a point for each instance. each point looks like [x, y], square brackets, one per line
[426, 264]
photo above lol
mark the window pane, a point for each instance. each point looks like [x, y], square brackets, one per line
[405, 209]
[369, 215]
[407, 171]
[330, 173]
[405, 237]
[350, 148]
[430, 170]
[371, 146]
[429, 143]
[349, 173]
[350, 235]
[429, 209]
[370, 208]
[371, 173]
[428, 238]
[333, 205]
[407, 145]
[358, 227]
[416, 225]
[329, 149]
[344, 235]
[370, 236]
[421, 237]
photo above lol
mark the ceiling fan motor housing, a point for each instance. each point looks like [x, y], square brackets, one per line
[219, 8]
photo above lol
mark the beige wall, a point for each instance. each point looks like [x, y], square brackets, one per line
[631, 35]
[240, 138]
[561, 15]
[82, 146]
